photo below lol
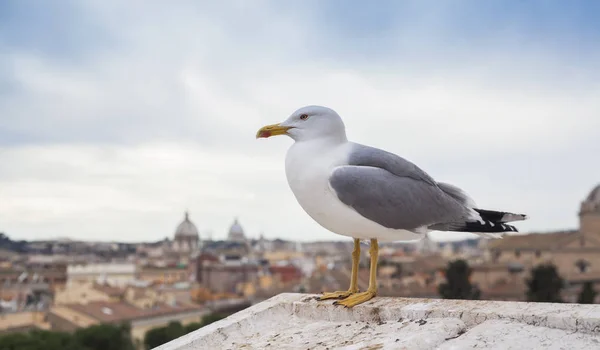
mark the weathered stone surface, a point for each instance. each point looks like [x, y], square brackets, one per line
[506, 335]
[297, 321]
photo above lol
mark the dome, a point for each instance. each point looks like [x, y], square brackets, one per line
[591, 205]
[594, 196]
[236, 232]
[186, 228]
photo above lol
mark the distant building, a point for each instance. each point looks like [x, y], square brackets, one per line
[70, 317]
[145, 305]
[53, 275]
[236, 232]
[30, 287]
[162, 275]
[22, 322]
[115, 274]
[187, 239]
[222, 275]
[87, 292]
[427, 245]
[171, 253]
[575, 253]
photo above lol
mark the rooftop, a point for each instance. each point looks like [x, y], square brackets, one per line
[12, 321]
[299, 321]
[121, 311]
[533, 241]
[100, 268]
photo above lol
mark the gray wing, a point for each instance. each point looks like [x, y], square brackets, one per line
[393, 192]
[361, 155]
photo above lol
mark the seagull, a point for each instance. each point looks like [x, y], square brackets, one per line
[370, 194]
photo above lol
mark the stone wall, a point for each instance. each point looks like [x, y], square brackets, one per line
[297, 321]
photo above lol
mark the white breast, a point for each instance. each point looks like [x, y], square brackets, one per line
[308, 166]
[307, 172]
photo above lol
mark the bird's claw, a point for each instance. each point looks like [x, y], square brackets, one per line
[356, 299]
[337, 295]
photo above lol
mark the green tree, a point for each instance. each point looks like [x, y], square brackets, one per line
[192, 326]
[99, 337]
[458, 285]
[587, 294]
[105, 336]
[545, 285]
[17, 341]
[210, 318]
[158, 336]
[38, 340]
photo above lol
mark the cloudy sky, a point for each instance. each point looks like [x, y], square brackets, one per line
[117, 116]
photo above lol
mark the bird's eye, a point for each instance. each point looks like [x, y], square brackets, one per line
[304, 116]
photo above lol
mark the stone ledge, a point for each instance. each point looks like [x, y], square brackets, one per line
[299, 321]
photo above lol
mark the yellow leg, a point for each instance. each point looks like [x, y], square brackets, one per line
[360, 298]
[353, 278]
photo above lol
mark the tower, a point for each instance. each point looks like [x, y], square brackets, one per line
[589, 215]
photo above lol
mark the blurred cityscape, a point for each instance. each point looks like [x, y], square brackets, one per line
[65, 285]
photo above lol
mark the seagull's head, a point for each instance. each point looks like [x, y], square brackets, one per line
[308, 123]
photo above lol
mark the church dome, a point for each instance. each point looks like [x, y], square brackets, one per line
[592, 203]
[594, 196]
[236, 232]
[186, 228]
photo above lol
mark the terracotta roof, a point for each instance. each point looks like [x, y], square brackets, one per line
[286, 273]
[504, 292]
[430, 263]
[108, 290]
[534, 241]
[206, 256]
[117, 312]
[73, 316]
[491, 266]
[138, 292]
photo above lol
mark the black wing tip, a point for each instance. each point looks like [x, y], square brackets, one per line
[481, 227]
[488, 227]
[500, 216]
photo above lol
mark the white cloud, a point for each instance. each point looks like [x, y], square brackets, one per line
[164, 119]
[137, 193]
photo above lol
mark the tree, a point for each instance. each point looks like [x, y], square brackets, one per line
[588, 294]
[105, 336]
[99, 337]
[545, 285]
[192, 327]
[38, 340]
[158, 336]
[19, 341]
[10, 245]
[458, 285]
[210, 318]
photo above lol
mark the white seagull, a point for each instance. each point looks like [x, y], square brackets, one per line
[367, 193]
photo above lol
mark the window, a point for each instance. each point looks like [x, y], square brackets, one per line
[496, 255]
[582, 265]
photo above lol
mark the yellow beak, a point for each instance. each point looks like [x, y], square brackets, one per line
[272, 130]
